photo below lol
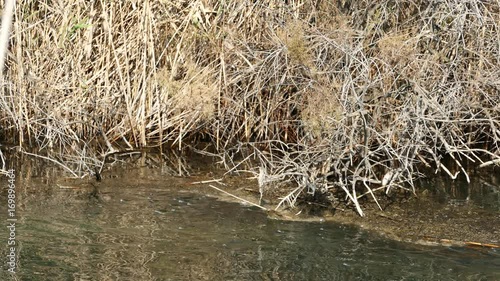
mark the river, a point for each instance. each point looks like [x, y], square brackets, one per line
[145, 224]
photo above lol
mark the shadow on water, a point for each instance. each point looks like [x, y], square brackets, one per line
[142, 226]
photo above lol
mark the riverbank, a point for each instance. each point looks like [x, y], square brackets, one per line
[423, 218]
[337, 98]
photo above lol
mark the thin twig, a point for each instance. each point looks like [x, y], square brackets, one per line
[234, 196]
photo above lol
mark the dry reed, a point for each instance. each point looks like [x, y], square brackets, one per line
[349, 97]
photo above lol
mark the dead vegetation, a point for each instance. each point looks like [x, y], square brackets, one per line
[343, 98]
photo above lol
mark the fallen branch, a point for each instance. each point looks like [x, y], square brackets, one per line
[234, 196]
[208, 181]
[489, 163]
[54, 161]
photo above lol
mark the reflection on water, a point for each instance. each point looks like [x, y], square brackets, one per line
[483, 190]
[142, 227]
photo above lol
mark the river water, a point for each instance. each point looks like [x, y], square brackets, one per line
[145, 224]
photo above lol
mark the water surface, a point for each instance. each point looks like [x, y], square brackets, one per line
[147, 225]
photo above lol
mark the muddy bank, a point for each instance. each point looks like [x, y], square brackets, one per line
[420, 219]
[423, 221]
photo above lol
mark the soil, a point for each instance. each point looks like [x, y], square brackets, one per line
[419, 218]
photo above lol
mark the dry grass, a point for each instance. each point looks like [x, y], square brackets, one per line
[339, 95]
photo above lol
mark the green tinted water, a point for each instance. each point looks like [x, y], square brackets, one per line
[140, 226]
